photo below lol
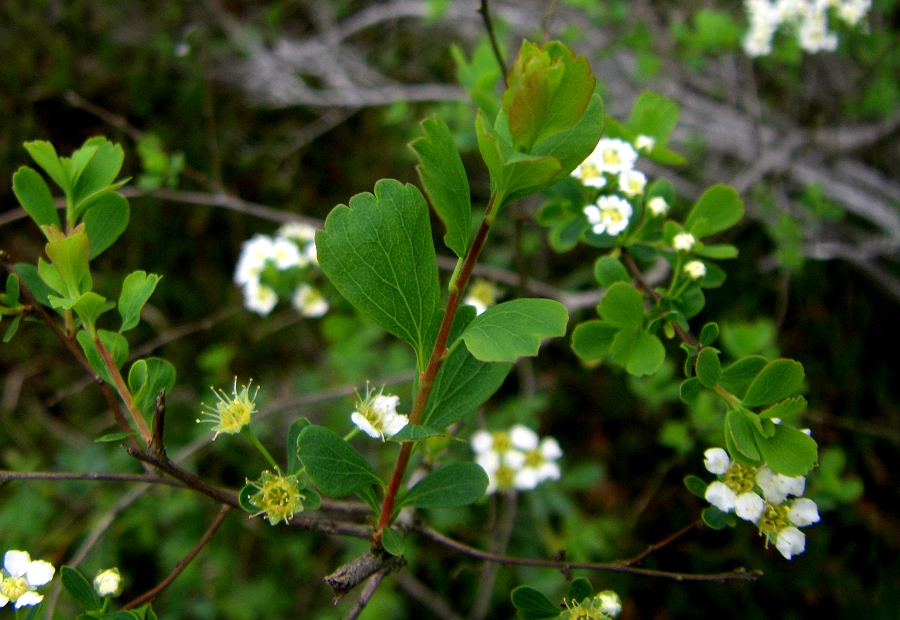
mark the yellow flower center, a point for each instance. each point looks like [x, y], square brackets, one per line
[740, 478]
[502, 442]
[611, 157]
[505, 476]
[13, 587]
[613, 214]
[774, 519]
[534, 458]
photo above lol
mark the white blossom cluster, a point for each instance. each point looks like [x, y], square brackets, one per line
[21, 577]
[611, 168]
[516, 458]
[761, 496]
[289, 256]
[809, 19]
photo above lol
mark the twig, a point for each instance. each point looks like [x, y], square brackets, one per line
[180, 566]
[666, 541]
[738, 574]
[485, 11]
[360, 568]
[366, 595]
[92, 476]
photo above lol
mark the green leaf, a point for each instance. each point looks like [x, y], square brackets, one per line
[45, 156]
[452, 486]
[593, 339]
[622, 306]
[147, 378]
[549, 90]
[333, 464]
[113, 342]
[70, 256]
[789, 452]
[716, 251]
[12, 328]
[695, 485]
[293, 448]
[136, 290]
[741, 432]
[609, 270]
[415, 432]
[653, 115]
[785, 409]
[716, 519]
[393, 542]
[446, 184]
[533, 604]
[709, 334]
[35, 197]
[379, 254]
[100, 171]
[34, 282]
[80, 589]
[113, 437]
[739, 375]
[718, 209]
[778, 380]
[89, 307]
[689, 390]
[463, 383]
[572, 146]
[11, 298]
[367, 495]
[640, 352]
[579, 590]
[507, 331]
[708, 367]
[105, 221]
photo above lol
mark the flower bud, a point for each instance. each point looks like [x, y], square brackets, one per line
[108, 582]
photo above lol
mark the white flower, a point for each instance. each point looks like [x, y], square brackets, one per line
[482, 295]
[721, 496]
[309, 302]
[286, 254]
[232, 413]
[658, 206]
[814, 35]
[716, 461]
[254, 254]
[695, 270]
[614, 155]
[790, 542]
[523, 438]
[852, 11]
[776, 487]
[632, 182]
[683, 242]
[259, 298]
[108, 582]
[376, 415]
[21, 577]
[644, 143]
[501, 471]
[749, 506]
[803, 512]
[609, 215]
[539, 465]
[482, 442]
[589, 174]
[297, 231]
[610, 603]
[312, 253]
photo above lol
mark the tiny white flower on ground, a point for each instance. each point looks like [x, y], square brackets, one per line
[695, 270]
[609, 215]
[683, 242]
[482, 295]
[108, 582]
[309, 302]
[658, 206]
[231, 413]
[790, 542]
[21, 577]
[259, 298]
[803, 512]
[716, 461]
[721, 496]
[749, 506]
[376, 415]
[644, 143]
[632, 183]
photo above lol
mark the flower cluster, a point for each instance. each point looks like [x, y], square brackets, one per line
[231, 413]
[281, 265]
[21, 577]
[808, 18]
[759, 495]
[611, 168]
[605, 605]
[376, 414]
[277, 496]
[516, 459]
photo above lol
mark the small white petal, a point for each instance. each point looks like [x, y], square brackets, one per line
[526, 479]
[803, 512]
[716, 461]
[766, 479]
[482, 441]
[39, 573]
[364, 425]
[721, 496]
[514, 459]
[610, 603]
[749, 506]
[523, 437]
[549, 471]
[489, 461]
[550, 449]
[16, 563]
[791, 486]
[29, 598]
[790, 542]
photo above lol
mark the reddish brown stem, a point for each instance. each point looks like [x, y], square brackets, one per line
[426, 379]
